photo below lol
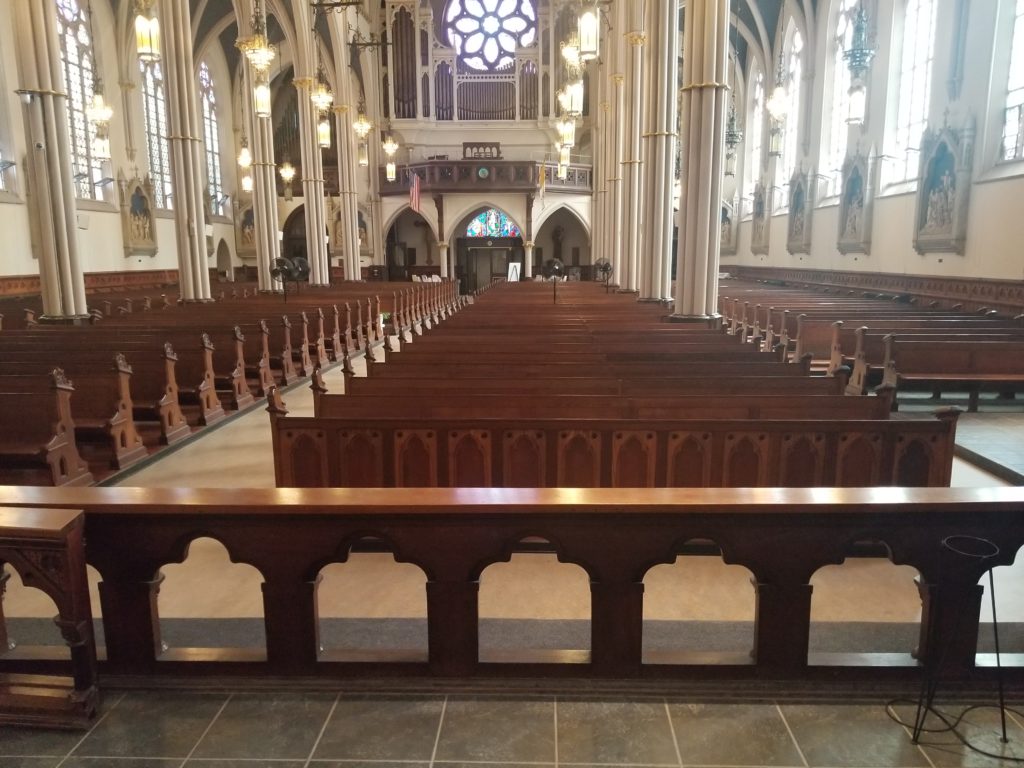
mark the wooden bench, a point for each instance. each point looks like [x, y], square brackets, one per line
[972, 366]
[40, 440]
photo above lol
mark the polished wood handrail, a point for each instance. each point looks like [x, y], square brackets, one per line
[783, 536]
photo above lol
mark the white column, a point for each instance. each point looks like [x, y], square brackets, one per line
[528, 259]
[616, 170]
[312, 193]
[660, 143]
[706, 28]
[49, 172]
[442, 258]
[632, 162]
[264, 193]
[187, 172]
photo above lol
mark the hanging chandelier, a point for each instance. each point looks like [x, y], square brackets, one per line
[361, 125]
[778, 102]
[321, 95]
[257, 47]
[323, 132]
[733, 136]
[99, 113]
[858, 58]
[566, 132]
[244, 155]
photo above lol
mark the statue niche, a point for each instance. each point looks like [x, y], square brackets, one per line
[138, 224]
[801, 209]
[245, 231]
[943, 190]
[728, 246]
[856, 204]
[759, 221]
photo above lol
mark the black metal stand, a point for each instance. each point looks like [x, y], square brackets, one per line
[982, 552]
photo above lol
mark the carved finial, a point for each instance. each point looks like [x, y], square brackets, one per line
[60, 379]
[206, 341]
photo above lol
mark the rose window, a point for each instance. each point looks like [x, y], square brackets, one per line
[486, 33]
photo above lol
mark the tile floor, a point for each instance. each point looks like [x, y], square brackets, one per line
[340, 730]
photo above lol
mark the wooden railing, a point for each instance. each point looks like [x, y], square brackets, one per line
[486, 175]
[782, 536]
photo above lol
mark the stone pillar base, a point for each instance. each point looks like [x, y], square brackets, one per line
[64, 319]
[626, 290]
[712, 321]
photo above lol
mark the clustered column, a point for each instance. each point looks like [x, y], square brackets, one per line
[49, 161]
[349, 202]
[264, 195]
[662, 73]
[632, 198]
[706, 30]
[186, 153]
[312, 185]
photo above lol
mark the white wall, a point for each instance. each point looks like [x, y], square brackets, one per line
[995, 222]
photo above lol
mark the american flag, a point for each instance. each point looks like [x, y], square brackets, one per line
[414, 192]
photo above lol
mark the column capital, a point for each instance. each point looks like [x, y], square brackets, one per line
[303, 82]
[618, 78]
[442, 246]
[528, 244]
[340, 109]
[636, 38]
[606, 106]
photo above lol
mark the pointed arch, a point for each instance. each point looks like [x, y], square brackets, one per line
[547, 213]
[475, 207]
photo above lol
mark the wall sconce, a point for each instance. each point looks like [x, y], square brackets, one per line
[323, 132]
[147, 31]
[244, 155]
[775, 138]
[733, 136]
[589, 25]
[287, 171]
[261, 95]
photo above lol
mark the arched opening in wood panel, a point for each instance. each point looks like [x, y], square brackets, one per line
[864, 606]
[27, 613]
[698, 609]
[1009, 592]
[371, 607]
[534, 608]
[209, 602]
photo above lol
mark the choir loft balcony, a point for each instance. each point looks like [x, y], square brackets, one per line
[487, 175]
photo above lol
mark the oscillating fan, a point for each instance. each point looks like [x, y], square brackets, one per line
[552, 270]
[290, 270]
[603, 267]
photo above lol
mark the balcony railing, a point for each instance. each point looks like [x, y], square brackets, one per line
[482, 175]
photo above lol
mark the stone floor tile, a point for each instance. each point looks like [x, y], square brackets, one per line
[614, 732]
[840, 735]
[37, 742]
[267, 726]
[980, 727]
[707, 735]
[381, 728]
[152, 724]
[498, 730]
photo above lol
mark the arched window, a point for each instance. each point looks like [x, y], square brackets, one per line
[794, 74]
[154, 110]
[76, 51]
[835, 150]
[486, 33]
[913, 90]
[1013, 122]
[211, 140]
[492, 223]
[755, 130]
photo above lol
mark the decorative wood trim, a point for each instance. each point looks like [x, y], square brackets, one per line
[1005, 296]
[29, 285]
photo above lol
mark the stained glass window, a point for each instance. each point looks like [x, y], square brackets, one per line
[914, 83]
[154, 109]
[211, 141]
[492, 223]
[755, 133]
[1013, 125]
[835, 152]
[791, 129]
[486, 33]
[77, 60]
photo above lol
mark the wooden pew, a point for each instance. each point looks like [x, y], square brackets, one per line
[971, 365]
[40, 442]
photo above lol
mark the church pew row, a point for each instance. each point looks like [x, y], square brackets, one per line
[615, 535]
[535, 452]
[574, 405]
[957, 365]
[37, 445]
